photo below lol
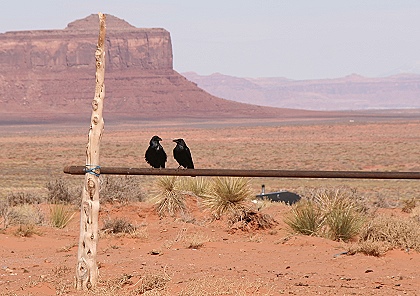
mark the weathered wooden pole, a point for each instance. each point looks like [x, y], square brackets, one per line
[87, 268]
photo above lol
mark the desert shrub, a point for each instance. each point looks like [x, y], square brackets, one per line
[248, 219]
[61, 215]
[118, 225]
[334, 213]
[369, 247]
[343, 212]
[26, 230]
[408, 204]
[25, 214]
[227, 196]
[196, 240]
[152, 282]
[8, 203]
[395, 232]
[21, 198]
[197, 186]
[121, 189]
[4, 210]
[170, 200]
[305, 217]
[59, 191]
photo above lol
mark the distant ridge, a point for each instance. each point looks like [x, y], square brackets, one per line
[353, 92]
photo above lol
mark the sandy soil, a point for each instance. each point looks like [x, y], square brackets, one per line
[269, 262]
[263, 262]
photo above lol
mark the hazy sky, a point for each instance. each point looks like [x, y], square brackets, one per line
[297, 39]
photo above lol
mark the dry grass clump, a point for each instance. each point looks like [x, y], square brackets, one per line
[61, 215]
[149, 284]
[152, 282]
[392, 232]
[248, 220]
[227, 196]
[197, 186]
[25, 214]
[196, 240]
[408, 204]
[121, 189]
[170, 200]
[26, 230]
[333, 213]
[224, 286]
[305, 217]
[14, 208]
[370, 248]
[118, 225]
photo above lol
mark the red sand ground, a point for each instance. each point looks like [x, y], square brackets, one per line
[269, 262]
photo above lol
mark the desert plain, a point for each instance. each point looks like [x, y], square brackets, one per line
[228, 262]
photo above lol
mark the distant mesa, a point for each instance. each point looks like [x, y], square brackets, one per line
[353, 92]
[91, 23]
[50, 75]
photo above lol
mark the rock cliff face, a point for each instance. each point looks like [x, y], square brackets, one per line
[73, 47]
[50, 75]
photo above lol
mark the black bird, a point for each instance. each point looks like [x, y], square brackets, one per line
[182, 154]
[155, 155]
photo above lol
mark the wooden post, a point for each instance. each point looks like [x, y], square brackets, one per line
[87, 268]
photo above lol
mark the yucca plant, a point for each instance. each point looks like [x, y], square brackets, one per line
[61, 215]
[305, 217]
[343, 223]
[170, 200]
[336, 214]
[342, 211]
[227, 196]
[198, 186]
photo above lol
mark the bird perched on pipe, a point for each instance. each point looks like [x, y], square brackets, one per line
[182, 154]
[155, 154]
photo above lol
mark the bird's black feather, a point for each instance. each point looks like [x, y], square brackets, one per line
[182, 154]
[155, 154]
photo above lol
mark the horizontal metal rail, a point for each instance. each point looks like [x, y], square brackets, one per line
[80, 170]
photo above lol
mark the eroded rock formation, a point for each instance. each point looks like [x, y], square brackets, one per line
[50, 74]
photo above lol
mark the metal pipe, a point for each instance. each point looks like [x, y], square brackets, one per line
[80, 170]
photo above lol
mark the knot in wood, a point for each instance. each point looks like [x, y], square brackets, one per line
[82, 269]
[91, 188]
[95, 105]
[95, 120]
[91, 183]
